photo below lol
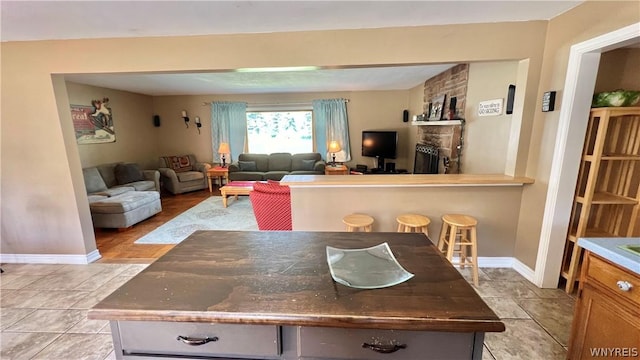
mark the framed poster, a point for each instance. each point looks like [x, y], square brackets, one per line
[437, 106]
[93, 124]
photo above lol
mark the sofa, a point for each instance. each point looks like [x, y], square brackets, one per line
[183, 173]
[121, 194]
[260, 167]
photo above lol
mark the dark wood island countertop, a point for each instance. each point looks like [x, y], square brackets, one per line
[282, 278]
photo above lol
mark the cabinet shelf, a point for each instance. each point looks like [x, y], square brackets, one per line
[607, 195]
[612, 157]
[590, 233]
[608, 198]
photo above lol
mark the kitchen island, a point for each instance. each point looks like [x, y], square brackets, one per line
[270, 295]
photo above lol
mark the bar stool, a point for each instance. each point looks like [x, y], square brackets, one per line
[460, 230]
[356, 221]
[413, 223]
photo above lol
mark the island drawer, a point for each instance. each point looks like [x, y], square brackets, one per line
[339, 343]
[161, 339]
[609, 276]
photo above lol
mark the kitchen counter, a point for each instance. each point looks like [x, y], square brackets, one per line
[608, 248]
[255, 283]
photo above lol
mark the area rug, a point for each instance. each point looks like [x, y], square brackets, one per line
[207, 215]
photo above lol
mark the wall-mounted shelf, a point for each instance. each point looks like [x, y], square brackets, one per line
[436, 123]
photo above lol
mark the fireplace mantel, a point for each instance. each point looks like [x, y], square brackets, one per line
[437, 123]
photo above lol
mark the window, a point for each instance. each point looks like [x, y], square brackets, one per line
[280, 131]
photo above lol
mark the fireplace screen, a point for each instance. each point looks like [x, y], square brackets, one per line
[426, 161]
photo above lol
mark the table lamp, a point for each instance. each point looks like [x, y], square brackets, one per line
[334, 147]
[223, 150]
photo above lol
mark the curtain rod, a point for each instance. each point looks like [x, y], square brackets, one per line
[274, 104]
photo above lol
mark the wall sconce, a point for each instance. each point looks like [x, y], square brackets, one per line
[198, 124]
[185, 118]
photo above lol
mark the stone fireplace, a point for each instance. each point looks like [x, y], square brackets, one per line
[445, 135]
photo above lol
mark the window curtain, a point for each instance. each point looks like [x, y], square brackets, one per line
[228, 124]
[331, 123]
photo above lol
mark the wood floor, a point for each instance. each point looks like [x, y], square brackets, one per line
[117, 246]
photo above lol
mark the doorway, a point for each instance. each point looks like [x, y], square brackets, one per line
[582, 69]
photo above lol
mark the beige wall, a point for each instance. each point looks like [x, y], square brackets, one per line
[136, 137]
[416, 107]
[619, 69]
[486, 138]
[35, 222]
[582, 23]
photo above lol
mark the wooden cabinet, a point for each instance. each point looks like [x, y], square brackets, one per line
[607, 197]
[607, 316]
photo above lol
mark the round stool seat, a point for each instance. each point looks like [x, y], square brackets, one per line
[411, 222]
[356, 221]
[459, 220]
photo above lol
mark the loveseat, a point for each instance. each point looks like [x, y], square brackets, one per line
[183, 173]
[257, 167]
[121, 194]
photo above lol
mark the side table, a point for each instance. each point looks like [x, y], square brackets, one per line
[336, 170]
[217, 172]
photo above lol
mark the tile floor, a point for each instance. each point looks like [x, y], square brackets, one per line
[43, 312]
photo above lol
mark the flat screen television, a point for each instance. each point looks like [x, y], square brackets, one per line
[380, 144]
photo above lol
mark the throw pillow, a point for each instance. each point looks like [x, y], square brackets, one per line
[247, 165]
[93, 180]
[178, 163]
[128, 173]
[308, 165]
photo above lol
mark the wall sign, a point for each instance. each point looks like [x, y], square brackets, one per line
[490, 107]
[93, 124]
[548, 101]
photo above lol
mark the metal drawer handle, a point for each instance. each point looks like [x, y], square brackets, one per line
[384, 349]
[196, 341]
[624, 285]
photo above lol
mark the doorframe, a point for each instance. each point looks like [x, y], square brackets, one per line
[582, 69]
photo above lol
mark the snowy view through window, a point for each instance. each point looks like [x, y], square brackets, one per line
[280, 131]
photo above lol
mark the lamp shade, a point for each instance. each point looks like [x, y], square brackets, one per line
[224, 148]
[334, 146]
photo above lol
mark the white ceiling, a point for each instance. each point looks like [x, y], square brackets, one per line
[51, 20]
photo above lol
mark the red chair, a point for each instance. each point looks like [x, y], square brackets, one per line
[271, 205]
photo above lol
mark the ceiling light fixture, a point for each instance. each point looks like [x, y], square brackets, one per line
[279, 69]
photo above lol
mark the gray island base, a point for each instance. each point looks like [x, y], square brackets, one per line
[270, 295]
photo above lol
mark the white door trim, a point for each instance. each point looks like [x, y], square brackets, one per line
[582, 69]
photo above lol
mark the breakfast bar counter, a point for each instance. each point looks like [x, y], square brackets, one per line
[319, 202]
[412, 180]
[271, 295]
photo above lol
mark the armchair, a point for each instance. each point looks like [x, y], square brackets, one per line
[183, 173]
[271, 205]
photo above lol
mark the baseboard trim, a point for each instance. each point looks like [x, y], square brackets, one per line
[506, 262]
[527, 272]
[49, 258]
[483, 262]
[492, 262]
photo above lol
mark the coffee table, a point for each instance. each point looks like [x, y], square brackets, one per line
[236, 188]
